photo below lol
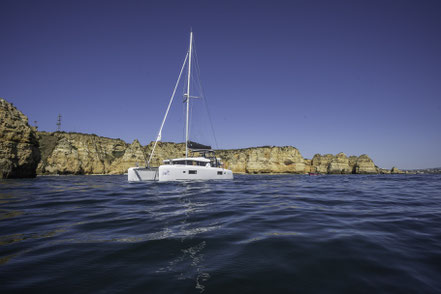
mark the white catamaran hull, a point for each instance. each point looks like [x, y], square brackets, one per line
[140, 174]
[178, 173]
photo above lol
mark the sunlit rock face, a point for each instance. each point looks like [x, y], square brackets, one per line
[339, 164]
[320, 163]
[342, 164]
[19, 153]
[268, 159]
[75, 153]
[134, 155]
[395, 170]
[384, 171]
[365, 165]
[331, 164]
[23, 151]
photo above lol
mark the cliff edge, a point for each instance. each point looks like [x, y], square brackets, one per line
[76, 153]
[19, 152]
[25, 152]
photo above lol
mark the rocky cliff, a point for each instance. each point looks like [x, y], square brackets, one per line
[267, 159]
[342, 164]
[75, 153]
[19, 152]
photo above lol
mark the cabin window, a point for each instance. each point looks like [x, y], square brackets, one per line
[192, 172]
[219, 173]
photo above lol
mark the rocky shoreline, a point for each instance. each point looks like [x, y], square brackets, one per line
[26, 152]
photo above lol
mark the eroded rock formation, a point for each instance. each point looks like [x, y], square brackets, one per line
[342, 164]
[19, 152]
[395, 170]
[73, 153]
[76, 153]
[267, 159]
[365, 165]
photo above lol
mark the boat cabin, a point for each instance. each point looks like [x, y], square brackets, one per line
[194, 161]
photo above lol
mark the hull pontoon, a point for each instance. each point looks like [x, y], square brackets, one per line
[178, 173]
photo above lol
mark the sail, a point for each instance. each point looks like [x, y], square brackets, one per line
[197, 146]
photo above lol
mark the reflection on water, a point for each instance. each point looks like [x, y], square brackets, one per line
[10, 239]
[189, 263]
[7, 258]
[9, 214]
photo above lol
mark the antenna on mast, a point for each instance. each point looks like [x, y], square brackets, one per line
[59, 123]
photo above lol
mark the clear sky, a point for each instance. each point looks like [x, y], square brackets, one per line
[324, 76]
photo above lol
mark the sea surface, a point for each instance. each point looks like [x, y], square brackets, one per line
[255, 234]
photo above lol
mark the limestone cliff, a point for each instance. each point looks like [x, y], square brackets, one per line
[320, 163]
[74, 153]
[134, 155]
[365, 165]
[268, 159]
[395, 170]
[384, 171]
[328, 163]
[341, 164]
[19, 153]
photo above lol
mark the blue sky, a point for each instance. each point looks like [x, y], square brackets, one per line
[323, 76]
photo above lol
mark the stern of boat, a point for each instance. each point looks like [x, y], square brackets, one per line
[142, 174]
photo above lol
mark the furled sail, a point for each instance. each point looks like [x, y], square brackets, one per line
[197, 146]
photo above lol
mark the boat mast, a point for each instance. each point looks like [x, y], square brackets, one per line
[188, 94]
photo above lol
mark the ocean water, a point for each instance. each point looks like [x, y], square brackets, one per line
[255, 234]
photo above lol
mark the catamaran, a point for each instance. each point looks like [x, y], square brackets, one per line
[203, 165]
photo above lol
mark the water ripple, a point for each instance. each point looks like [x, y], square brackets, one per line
[256, 234]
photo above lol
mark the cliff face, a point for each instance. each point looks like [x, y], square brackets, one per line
[395, 170]
[22, 149]
[338, 164]
[73, 153]
[264, 160]
[341, 164]
[19, 153]
[365, 165]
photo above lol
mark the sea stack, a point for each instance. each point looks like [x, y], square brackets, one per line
[19, 152]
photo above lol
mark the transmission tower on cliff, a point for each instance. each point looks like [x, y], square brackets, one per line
[59, 123]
